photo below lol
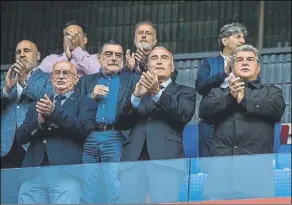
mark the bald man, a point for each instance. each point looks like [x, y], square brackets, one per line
[24, 83]
[56, 127]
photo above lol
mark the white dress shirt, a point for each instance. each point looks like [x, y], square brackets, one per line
[136, 101]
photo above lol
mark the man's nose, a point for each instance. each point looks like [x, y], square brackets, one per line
[242, 40]
[22, 53]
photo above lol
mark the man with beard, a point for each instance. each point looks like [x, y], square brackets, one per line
[145, 40]
[74, 42]
[213, 73]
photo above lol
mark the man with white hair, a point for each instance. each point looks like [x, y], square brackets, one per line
[213, 73]
[244, 113]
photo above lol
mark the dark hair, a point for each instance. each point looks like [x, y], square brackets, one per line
[145, 22]
[109, 42]
[70, 23]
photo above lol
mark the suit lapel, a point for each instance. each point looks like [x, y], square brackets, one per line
[221, 63]
[124, 80]
[70, 100]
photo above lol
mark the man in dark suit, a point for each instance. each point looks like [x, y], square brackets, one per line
[111, 88]
[162, 109]
[56, 129]
[213, 73]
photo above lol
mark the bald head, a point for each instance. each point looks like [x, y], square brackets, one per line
[27, 52]
[64, 77]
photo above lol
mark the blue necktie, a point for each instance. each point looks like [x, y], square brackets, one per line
[59, 99]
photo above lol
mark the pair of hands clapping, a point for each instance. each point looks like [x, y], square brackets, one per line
[148, 83]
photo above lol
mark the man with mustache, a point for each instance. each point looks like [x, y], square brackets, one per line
[24, 83]
[213, 73]
[145, 39]
[74, 42]
[162, 108]
[112, 89]
[244, 114]
[56, 127]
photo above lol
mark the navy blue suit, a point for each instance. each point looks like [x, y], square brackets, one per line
[64, 134]
[210, 75]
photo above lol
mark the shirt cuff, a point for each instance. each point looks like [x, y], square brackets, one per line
[5, 94]
[157, 96]
[135, 101]
[78, 54]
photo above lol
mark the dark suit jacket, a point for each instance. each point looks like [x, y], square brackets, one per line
[128, 82]
[65, 132]
[210, 75]
[161, 123]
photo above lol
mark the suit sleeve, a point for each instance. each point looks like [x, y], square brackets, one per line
[214, 105]
[37, 90]
[181, 109]
[204, 82]
[271, 107]
[80, 126]
[29, 130]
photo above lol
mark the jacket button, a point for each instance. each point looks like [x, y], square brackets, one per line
[235, 147]
[236, 121]
[44, 141]
[18, 106]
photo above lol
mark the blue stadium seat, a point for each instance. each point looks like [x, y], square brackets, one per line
[282, 182]
[277, 137]
[190, 140]
[285, 148]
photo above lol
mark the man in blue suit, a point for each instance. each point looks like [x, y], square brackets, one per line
[111, 87]
[24, 83]
[56, 127]
[213, 73]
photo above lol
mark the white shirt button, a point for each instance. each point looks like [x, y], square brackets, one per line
[257, 106]
[103, 105]
[103, 118]
[235, 147]
[236, 121]
[18, 106]
[44, 141]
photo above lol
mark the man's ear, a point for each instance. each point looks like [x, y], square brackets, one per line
[224, 41]
[98, 57]
[258, 70]
[38, 56]
[85, 39]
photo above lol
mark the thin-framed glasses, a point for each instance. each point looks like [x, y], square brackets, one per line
[65, 73]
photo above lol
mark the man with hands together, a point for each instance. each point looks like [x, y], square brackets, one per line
[56, 127]
[244, 114]
[74, 42]
[161, 109]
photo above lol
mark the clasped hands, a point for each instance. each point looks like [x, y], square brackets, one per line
[148, 83]
[236, 87]
[44, 108]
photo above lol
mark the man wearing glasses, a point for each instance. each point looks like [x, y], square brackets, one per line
[56, 128]
[111, 88]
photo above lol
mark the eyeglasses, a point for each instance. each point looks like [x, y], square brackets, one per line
[66, 73]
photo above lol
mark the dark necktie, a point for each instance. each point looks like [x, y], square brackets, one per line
[59, 99]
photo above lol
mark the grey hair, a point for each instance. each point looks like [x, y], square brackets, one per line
[246, 48]
[229, 30]
[172, 59]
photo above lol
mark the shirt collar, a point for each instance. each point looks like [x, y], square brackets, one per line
[67, 95]
[255, 83]
[31, 72]
[166, 83]
[106, 76]
[224, 57]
